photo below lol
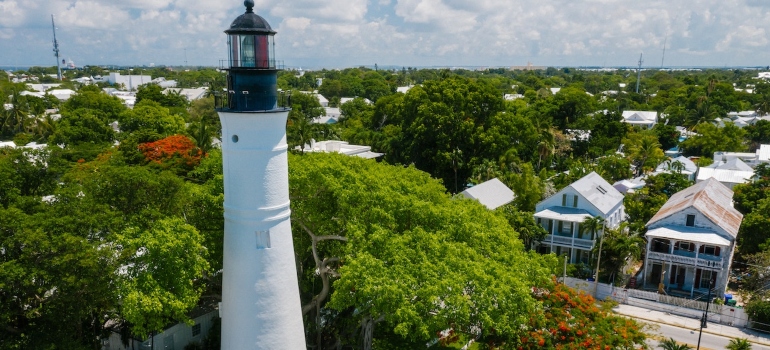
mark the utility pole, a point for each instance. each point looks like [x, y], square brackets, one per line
[705, 314]
[56, 48]
[639, 72]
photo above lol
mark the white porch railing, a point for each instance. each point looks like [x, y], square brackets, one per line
[684, 260]
[586, 244]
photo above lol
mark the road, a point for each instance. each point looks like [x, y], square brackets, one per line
[690, 337]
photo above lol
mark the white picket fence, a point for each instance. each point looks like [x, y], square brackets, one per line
[721, 314]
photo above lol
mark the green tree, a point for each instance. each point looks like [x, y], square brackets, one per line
[415, 261]
[643, 150]
[614, 168]
[149, 116]
[671, 344]
[711, 138]
[739, 344]
[162, 265]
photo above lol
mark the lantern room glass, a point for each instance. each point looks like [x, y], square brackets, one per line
[251, 51]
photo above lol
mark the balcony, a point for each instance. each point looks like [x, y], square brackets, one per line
[586, 244]
[702, 261]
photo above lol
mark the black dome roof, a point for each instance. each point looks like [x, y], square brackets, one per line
[249, 22]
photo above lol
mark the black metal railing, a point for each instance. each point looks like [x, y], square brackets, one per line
[252, 64]
[252, 102]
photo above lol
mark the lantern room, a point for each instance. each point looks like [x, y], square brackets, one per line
[250, 41]
[251, 67]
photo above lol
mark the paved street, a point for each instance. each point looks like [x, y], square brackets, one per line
[690, 337]
[685, 329]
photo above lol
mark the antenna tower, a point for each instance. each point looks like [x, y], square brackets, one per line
[664, 52]
[639, 72]
[56, 49]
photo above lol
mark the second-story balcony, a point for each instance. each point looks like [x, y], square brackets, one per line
[703, 260]
[586, 244]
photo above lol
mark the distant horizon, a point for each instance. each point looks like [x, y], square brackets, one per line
[398, 67]
[425, 33]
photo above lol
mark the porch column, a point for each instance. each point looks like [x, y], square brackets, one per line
[553, 227]
[646, 263]
[697, 250]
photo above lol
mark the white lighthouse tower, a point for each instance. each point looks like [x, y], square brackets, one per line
[260, 296]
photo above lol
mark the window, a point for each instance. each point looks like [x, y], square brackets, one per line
[690, 220]
[263, 239]
[564, 200]
[196, 329]
[707, 276]
[684, 246]
[574, 202]
[710, 250]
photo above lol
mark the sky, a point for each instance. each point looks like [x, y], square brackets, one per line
[412, 33]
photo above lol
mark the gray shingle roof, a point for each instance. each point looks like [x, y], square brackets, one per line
[598, 191]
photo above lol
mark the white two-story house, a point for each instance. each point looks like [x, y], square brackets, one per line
[691, 240]
[561, 215]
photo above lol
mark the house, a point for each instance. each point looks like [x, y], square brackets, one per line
[189, 94]
[685, 166]
[729, 172]
[348, 99]
[176, 336]
[691, 241]
[341, 147]
[332, 116]
[561, 215]
[129, 82]
[644, 119]
[492, 194]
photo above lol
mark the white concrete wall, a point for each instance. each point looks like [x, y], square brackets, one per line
[260, 294]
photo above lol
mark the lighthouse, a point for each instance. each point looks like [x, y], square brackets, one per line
[260, 306]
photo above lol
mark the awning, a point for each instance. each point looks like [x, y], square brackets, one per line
[564, 214]
[692, 234]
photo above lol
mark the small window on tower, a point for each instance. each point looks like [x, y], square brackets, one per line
[263, 239]
[690, 220]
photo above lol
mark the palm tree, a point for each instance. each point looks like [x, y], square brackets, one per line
[671, 344]
[45, 127]
[594, 225]
[739, 344]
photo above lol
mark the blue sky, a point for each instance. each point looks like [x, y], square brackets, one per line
[343, 33]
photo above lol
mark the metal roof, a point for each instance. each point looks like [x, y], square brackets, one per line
[711, 198]
[689, 166]
[249, 22]
[692, 234]
[764, 152]
[564, 214]
[492, 193]
[725, 175]
[598, 191]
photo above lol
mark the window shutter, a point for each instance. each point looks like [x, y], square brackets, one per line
[676, 246]
[692, 247]
[702, 249]
[713, 279]
[697, 278]
[564, 200]
[561, 226]
[574, 203]
[672, 278]
[716, 251]
[550, 226]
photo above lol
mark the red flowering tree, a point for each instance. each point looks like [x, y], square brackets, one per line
[177, 153]
[572, 320]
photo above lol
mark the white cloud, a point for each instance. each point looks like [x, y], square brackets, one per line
[403, 32]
